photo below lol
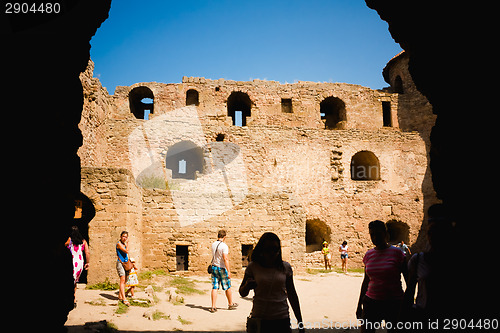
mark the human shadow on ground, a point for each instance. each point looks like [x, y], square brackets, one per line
[109, 296]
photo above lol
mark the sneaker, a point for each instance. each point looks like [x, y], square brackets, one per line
[232, 306]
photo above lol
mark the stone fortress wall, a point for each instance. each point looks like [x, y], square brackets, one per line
[309, 161]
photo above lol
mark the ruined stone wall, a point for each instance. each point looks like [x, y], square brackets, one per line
[278, 173]
[118, 205]
[363, 105]
[97, 107]
[154, 227]
[244, 224]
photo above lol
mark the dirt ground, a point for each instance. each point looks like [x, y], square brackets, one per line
[326, 300]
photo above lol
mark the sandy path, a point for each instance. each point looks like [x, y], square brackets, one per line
[323, 298]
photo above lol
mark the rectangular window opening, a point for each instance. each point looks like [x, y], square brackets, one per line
[246, 252]
[286, 105]
[238, 118]
[182, 166]
[182, 257]
[386, 114]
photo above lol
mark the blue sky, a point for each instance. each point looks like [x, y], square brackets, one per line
[286, 41]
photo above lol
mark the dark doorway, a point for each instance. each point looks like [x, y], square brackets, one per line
[398, 231]
[246, 253]
[192, 97]
[317, 232]
[182, 257]
[286, 105]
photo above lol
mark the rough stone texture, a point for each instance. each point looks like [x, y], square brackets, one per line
[278, 172]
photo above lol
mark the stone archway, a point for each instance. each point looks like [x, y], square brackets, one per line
[317, 231]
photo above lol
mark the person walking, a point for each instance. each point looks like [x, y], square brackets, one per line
[343, 249]
[221, 274]
[272, 281]
[381, 291]
[123, 265]
[78, 245]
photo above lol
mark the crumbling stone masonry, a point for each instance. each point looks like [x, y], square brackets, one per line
[173, 163]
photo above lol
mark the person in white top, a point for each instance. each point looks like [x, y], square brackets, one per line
[221, 274]
[343, 255]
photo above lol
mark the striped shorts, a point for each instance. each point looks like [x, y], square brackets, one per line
[219, 277]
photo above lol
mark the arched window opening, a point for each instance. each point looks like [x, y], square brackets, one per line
[332, 110]
[192, 97]
[365, 166]
[184, 159]
[316, 233]
[239, 107]
[398, 231]
[398, 85]
[141, 102]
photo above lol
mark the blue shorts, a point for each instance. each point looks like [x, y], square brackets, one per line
[219, 276]
[343, 256]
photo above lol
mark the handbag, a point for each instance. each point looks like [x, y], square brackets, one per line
[127, 265]
[209, 269]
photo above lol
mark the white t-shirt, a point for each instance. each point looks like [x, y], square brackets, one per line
[223, 248]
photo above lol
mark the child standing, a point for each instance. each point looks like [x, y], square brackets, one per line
[132, 280]
[327, 255]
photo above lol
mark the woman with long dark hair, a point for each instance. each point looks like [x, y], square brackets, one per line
[272, 281]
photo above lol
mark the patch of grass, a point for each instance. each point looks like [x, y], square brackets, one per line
[184, 321]
[142, 302]
[106, 285]
[185, 286]
[121, 308]
[146, 275]
[335, 269]
[157, 315]
[159, 272]
[317, 271]
[350, 270]
[100, 302]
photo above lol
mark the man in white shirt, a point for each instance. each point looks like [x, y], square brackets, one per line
[221, 274]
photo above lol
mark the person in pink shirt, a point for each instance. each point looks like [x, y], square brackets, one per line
[381, 291]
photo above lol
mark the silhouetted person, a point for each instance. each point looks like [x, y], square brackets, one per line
[429, 270]
[272, 281]
[381, 292]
